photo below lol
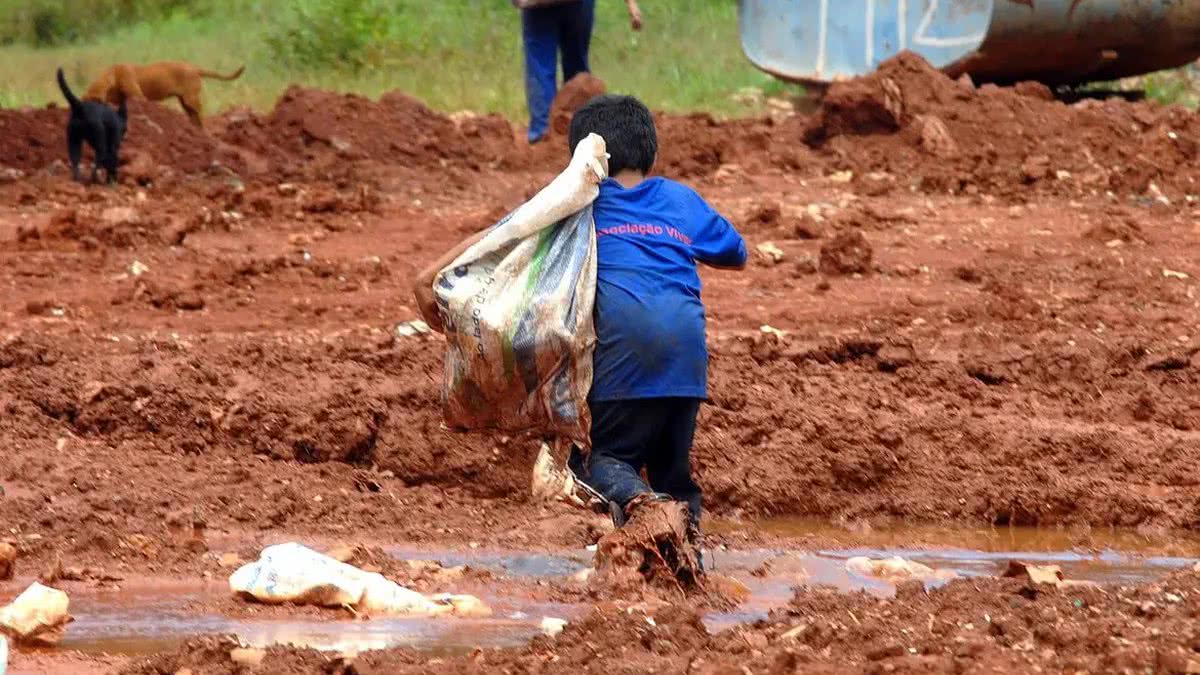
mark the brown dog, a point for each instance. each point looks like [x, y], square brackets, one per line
[155, 81]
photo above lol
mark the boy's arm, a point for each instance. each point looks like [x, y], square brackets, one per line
[635, 14]
[717, 243]
[423, 286]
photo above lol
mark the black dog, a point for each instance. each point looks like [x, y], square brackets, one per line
[102, 127]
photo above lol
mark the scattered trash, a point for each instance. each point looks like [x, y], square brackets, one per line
[794, 632]
[1041, 575]
[551, 481]
[250, 658]
[895, 569]
[1172, 274]
[37, 616]
[1038, 574]
[770, 330]
[1157, 193]
[551, 626]
[935, 137]
[770, 252]
[295, 573]
[137, 268]
[841, 176]
[411, 328]
[10, 175]
[8, 561]
[3, 655]
[120, 215]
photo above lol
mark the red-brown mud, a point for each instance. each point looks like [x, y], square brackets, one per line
[213, 340]
[984, 625]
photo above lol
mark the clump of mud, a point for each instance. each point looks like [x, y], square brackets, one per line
[847, 253]
[313, 126]
[651, 548]
[576, 92]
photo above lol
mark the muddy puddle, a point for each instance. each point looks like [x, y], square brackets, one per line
[149, 620]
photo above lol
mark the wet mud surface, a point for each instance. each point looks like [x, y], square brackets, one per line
[986, 311]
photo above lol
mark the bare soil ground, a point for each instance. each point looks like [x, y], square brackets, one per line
[987, 298]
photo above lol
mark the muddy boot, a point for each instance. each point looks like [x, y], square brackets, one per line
[621, 515]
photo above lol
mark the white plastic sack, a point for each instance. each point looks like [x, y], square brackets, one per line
[294, 573]
[895, 569]
[517, 307]
[38, 615]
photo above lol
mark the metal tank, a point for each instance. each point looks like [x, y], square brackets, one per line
[1059, 42]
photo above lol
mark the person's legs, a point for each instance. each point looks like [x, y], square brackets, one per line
[622, 433]
[540, 33]
[575, 37]
[669, 464]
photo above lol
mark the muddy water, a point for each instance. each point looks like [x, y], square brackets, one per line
[145, 621]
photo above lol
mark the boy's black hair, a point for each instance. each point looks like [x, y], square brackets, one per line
[626, 126]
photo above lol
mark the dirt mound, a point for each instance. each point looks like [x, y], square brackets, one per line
[698, 145]
[322, 127]
[910, 119]
[578, 91]
[170, 139]
[32, 138]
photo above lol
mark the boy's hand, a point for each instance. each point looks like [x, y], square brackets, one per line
[427, 305]
[423, 285]
[635, 14]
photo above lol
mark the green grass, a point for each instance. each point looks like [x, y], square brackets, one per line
[453, 54]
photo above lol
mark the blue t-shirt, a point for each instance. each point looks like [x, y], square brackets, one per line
[649, 318]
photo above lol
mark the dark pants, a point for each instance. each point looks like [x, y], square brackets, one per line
[547, 31]
[651, 433]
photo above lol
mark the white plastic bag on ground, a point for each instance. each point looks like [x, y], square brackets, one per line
[3, 655]
[896, 569]
[294, 573]
[39, 615]
[517, 307]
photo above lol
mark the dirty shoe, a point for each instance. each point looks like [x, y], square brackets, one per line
[623, 515]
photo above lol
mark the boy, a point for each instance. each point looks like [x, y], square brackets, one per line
[651, 359]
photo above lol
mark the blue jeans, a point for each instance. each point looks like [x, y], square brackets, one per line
[650, 433]
[546, 31]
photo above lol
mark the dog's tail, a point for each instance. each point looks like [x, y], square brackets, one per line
[71, 98]
[215, 75]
